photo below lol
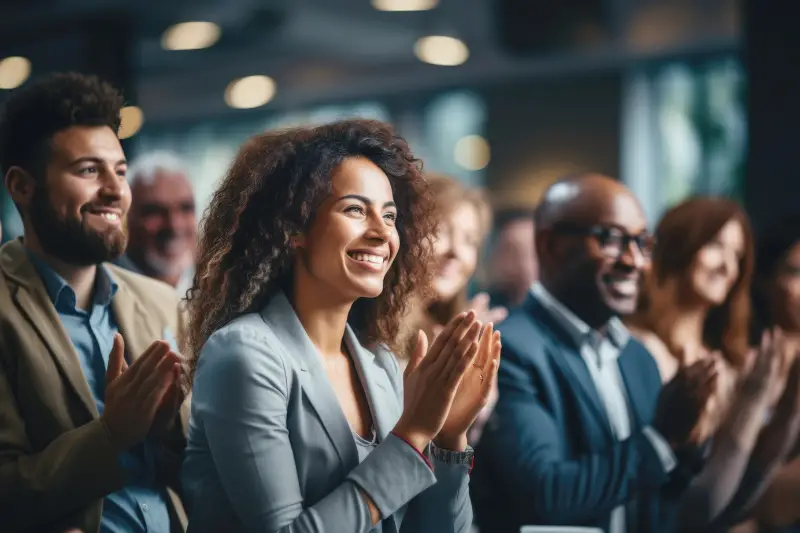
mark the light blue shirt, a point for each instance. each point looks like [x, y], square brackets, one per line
[142, 505]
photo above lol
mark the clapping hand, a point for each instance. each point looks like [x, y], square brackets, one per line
[134, 397]
[433, 376]
[474, 392]
[683, 401]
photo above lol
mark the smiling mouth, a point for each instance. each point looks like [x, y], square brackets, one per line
[367, 258]
[624, 287]
[109, 216]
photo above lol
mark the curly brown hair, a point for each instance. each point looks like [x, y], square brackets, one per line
[271, 192]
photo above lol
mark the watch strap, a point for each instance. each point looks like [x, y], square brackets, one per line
[450, 457]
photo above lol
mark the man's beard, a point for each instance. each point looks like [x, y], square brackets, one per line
[70, 240]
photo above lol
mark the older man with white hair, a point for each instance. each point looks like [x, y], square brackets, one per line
[162, 222]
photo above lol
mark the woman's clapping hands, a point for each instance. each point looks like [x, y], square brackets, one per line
[447, 384]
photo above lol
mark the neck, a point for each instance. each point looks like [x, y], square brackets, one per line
[324, 319]
[80, 278]
[594, 317]
[681, 328]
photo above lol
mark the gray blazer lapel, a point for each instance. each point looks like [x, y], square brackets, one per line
[281, 318]
[383, 401]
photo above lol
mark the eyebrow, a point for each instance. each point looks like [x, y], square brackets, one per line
[364, 199]
[91, 159]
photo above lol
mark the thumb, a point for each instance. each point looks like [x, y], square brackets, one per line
[116, 360]
[419, 353]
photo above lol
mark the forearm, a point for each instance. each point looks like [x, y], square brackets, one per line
[728, 467]
[78, 468]
[445, 507]
[773, 446]
[711, 491]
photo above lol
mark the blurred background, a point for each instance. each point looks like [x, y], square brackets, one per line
[671, 96]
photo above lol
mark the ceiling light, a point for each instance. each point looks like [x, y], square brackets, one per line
[472, 152]
[404, 5]
[250, 92]
[441, 50]
[14, 71]
[190, 36]
[132, 120]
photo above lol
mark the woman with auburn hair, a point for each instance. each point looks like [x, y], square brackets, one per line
[300, 418]
[696, 304]
[464, 220]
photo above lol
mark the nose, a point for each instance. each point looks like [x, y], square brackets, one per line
[732, 265]
[113, 186]
[378, 229]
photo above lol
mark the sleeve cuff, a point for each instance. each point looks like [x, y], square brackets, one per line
[393, 474]
[424, 457]
[662, 449]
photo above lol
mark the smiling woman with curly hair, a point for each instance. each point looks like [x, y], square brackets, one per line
[300, 419]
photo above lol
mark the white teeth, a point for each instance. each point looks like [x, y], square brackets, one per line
[111, 217]
[369, 258]
[627, 287]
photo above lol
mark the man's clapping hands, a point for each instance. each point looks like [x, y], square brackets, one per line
[145, 398]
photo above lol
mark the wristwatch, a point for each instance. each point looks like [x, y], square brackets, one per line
[449, 457]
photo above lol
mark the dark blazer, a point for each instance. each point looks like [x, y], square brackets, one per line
[548, 456]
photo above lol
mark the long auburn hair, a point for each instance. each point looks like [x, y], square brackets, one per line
[681, 233]
[271, 192]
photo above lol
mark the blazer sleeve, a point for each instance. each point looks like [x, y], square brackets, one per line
[529, 457]
[240, 395]
[446, 506]
[76, 469]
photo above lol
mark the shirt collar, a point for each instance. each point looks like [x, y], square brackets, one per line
[579, 331]
[62, 294]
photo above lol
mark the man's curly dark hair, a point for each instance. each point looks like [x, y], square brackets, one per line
[36, 112]
[271, 192]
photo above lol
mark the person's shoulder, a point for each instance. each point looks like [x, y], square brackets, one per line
[150, 291]
[244, 347]
[651, 344]
[249, 328]
[521, 327]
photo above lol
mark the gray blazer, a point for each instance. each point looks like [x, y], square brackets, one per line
[270, 450]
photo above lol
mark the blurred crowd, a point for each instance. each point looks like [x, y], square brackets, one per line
[562, 365]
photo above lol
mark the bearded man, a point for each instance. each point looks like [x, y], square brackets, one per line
[90, 379]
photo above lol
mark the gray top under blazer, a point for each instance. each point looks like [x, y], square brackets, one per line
[270, 449]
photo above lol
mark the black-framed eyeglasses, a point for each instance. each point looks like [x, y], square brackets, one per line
[612, 240]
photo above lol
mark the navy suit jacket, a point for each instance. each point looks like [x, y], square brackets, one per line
[548, 456]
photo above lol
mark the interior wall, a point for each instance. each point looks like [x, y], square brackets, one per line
[542, 129]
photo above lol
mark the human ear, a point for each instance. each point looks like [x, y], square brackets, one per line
[297, 241]
[20, 185]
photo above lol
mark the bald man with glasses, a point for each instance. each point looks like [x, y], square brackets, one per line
[583, 434]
